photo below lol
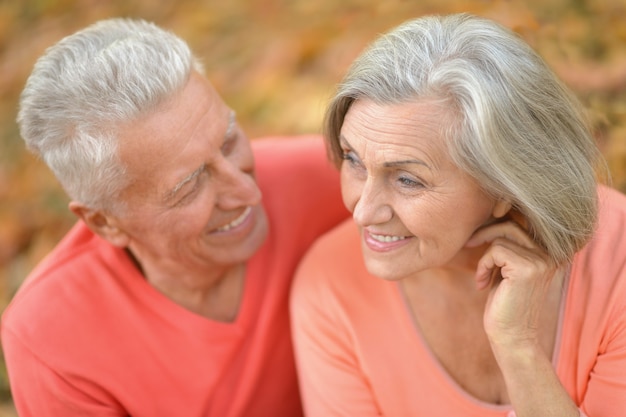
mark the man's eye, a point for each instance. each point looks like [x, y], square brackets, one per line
[229, 145]
[187, 196]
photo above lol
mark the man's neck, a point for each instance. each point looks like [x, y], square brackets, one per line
[214, 294]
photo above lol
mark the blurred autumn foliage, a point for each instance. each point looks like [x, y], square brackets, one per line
[276, 62]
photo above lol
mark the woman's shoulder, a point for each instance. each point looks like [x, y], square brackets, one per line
[336, 252]
[609, 239]
[598, 277]
[334, 264]
[611, 199]
[595, 311]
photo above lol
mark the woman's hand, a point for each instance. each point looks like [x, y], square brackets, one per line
[517, 272]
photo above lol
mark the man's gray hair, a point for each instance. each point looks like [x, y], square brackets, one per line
[89, 84]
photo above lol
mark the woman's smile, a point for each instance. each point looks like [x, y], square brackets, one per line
[382, 242]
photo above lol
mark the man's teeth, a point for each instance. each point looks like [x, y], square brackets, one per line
[237, 221]
[387, 239]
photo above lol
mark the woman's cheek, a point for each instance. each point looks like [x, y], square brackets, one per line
[349, 192]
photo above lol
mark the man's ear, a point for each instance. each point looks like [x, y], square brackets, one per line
[101, 224]
[501, 208]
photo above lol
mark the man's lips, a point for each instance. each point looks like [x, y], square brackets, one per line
[236, 222]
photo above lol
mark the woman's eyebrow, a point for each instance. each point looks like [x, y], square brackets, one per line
[391, 164]
[343, 141]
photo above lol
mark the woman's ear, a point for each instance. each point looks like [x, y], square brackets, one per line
[501, 208]
[101, 224]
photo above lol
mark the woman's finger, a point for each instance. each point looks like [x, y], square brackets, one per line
[508, 230]
[506, 259]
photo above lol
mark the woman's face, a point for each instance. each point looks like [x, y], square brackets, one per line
[414, 207]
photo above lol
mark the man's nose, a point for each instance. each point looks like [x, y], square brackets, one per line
[236, 186]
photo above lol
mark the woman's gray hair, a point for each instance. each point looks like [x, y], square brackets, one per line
[517, 129]
[89, 84]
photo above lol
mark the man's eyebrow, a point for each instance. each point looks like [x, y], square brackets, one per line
[172, 193]
[232, 120]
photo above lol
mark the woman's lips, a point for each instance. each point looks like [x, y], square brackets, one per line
[383, 243]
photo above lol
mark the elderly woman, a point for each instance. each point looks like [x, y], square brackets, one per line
[483, 273]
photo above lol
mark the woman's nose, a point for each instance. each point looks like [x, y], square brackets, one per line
[372, 206]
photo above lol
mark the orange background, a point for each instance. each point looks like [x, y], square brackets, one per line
[276, 63]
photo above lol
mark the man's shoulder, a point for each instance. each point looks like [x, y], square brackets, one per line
[288, 144]
[70, 255]
[300, 186]
[275, 156]
[58, 283]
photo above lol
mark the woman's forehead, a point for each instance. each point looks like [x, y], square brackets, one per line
[419, 115]
[397, 129]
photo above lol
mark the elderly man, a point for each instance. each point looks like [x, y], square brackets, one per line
[169, 296]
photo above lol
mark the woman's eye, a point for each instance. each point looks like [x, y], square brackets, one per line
[350, 157]
[410, 182]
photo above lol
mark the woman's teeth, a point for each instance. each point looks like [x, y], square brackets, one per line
[237, 221]
[387, 239]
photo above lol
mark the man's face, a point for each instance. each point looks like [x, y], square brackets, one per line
[193, 203]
